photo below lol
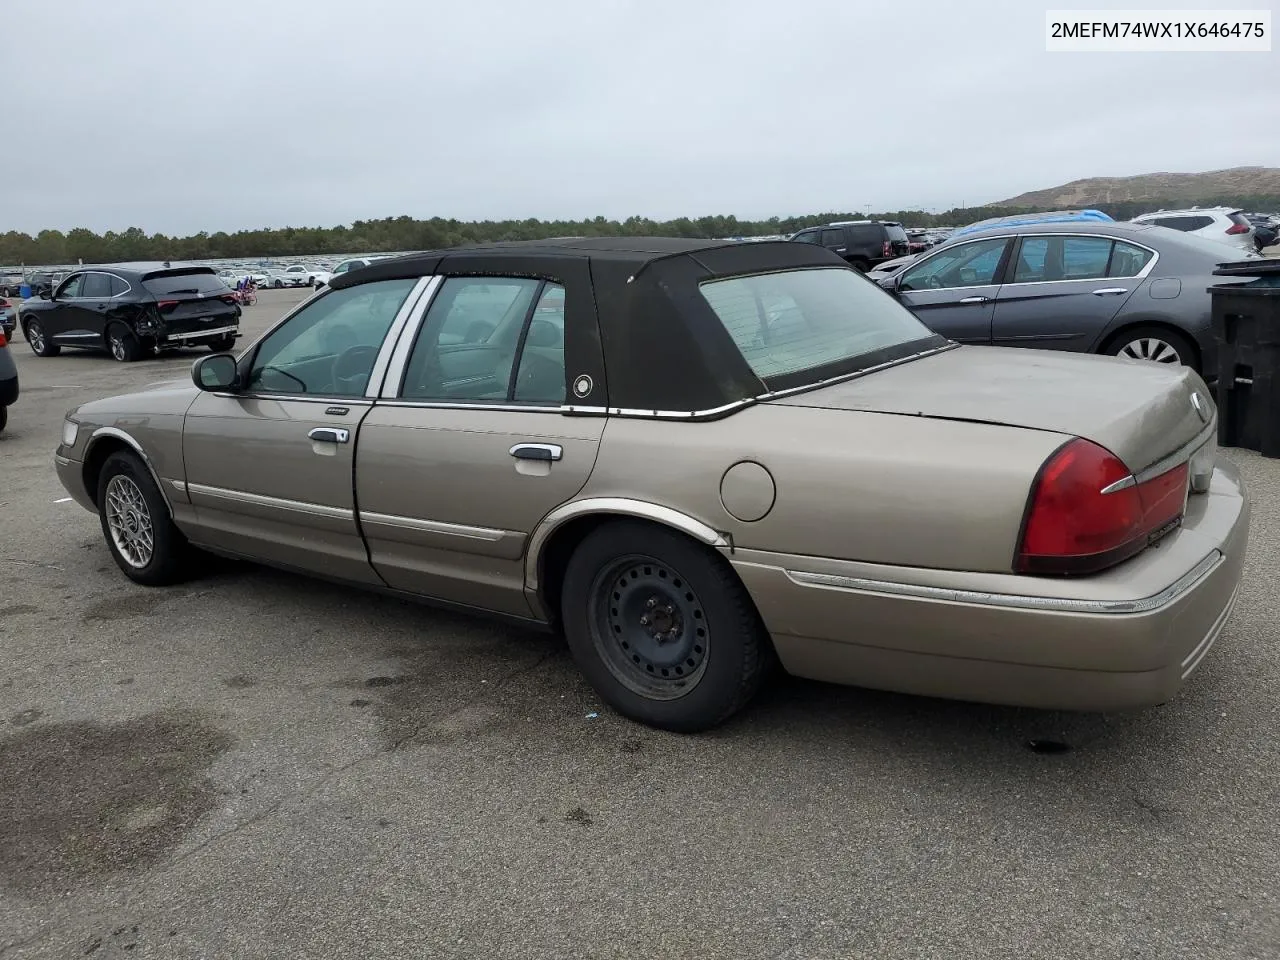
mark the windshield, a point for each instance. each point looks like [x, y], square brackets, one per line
[821, 321]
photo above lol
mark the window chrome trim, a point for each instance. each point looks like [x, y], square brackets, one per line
[916, 591]
[307, 398]
[392, 339]
[399, 357]
[623, 506]
[1015, 235]
[433, 526]
[278, 503]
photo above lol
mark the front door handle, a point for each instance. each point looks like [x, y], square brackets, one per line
[1110, 291]
[537, 451]
[975, 299]
[330, 435]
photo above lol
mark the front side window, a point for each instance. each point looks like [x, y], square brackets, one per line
[478, 332]
[72, 286]
[964, 265]
[807, 320]
[97, 286]
[329, 347]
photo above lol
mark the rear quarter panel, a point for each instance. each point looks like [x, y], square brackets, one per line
[880, 488]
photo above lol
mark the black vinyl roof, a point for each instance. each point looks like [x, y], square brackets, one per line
[655, 339]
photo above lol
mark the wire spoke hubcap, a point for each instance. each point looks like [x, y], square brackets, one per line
[129, 521]
[649, 627]
[1151, 350]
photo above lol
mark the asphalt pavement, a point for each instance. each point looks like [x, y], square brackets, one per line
[259, 765]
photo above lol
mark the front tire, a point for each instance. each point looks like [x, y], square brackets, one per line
[122, 344]
[135, 522]
[278, 284]
[39, 341]
[662, 628]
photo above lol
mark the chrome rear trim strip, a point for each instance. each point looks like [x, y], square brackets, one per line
[433, 526]
[1013, 601]
[277, 503]
[199, 333]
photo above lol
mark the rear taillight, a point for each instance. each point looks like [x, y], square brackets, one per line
[1237, 228]
[1088, 513]
[887, 249]
[3, 341]
[229, 298]
[163, 305]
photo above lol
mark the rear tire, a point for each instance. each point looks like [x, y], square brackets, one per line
[662, 627]
[122, 344]
[40, 343]
[222, 344]
[135, 522]
[1154, 344]
[860, 265]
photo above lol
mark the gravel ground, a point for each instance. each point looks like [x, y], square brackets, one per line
[260, 765]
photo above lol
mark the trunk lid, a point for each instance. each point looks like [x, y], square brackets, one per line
[1141, 412]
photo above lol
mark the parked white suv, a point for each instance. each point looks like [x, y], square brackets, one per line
[300, 275]
[1224, 224]
[347, 265]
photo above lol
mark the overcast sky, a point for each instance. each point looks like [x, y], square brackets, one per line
[187, 115]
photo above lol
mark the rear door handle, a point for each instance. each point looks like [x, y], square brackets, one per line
[975, 299]
[330, 435]
[1110, 291]
[537, 451]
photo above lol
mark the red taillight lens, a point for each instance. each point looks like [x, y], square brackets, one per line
[163, 305]
[1073, 527]
[887, 249]
[3, 341]
[229, 298]
[1237, 228]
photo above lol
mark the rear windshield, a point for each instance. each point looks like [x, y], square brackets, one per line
[175, 283]
[822, 321]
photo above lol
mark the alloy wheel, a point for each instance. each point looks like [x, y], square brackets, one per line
[649, 627]
[117, 344]
[35, 336]
[129, 521]
[1151, 350]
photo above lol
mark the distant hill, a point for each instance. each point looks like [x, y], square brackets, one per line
[1169, 188]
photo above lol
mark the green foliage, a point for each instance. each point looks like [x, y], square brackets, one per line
[406, 233]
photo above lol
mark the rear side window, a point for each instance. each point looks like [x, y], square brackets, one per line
[799, 320]
[896, 233]
[1127, 259]
[832, 238]
[118, 286]
[865, 233]
[97, 286]
[1062, 258]
[178, 283]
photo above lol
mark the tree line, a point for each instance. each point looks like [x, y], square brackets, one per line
[406, 233]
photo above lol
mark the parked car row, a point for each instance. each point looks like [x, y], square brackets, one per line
[845, 492]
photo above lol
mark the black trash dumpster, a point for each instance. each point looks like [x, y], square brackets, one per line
[1246, 327]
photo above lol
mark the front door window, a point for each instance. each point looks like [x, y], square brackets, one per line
[328, 349]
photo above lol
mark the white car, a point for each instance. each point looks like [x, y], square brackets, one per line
[346, 266]
[232, 277]
[1227, 225]
[300, 275]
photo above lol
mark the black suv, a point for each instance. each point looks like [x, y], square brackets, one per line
[863, 243]
[133, 309]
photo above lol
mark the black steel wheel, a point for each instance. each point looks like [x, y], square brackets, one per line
[649, 627]
[41, 344]
[662, 627]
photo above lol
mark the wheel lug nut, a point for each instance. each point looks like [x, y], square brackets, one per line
[644, 621]
[653, 602]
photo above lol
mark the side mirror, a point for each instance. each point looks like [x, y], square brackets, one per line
[217, 372]
[47, 295]
[891, 282]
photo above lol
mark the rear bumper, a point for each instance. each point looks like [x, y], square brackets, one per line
[198, 336]
[1124, 639]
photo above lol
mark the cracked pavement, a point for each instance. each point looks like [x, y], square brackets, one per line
[261, 765]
